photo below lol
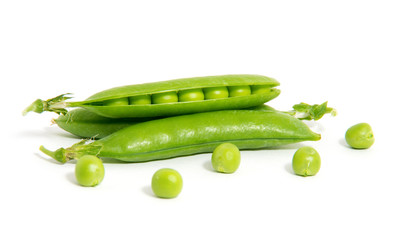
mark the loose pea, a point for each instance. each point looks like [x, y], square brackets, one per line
[215, 92]
[191, 95]
[166, 183]
[258, 89]
[89, 171]
[226, 158]
[306, 161]
[238, 91]
[166, 97]
[140, 100]
[360, 136]
[117, 102]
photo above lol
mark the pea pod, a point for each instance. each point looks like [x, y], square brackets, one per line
[192, 134]
[172, 97]
[86, 124]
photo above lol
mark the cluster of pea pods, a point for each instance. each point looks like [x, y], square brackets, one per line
[167, 119]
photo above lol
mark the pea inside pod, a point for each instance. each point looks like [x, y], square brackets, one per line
[211, 93]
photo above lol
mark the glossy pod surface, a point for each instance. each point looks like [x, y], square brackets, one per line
[86, 124]
[166, 98]
[192, 134]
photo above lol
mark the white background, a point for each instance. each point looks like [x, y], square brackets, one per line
[349, 53]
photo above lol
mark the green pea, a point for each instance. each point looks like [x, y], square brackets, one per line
[191, 95]
[360, 136]
[166, 183]
[306, 161]
[140, 100]
[215, 92]
[89, 171]
[238, 91]
[166, 97]
[259, 89]
[117, 102]
[226, 158]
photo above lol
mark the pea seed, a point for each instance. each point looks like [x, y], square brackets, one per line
[166, 183]
[360, 136]
[226, 158]
[89, 171]
[306, 161]
[117, 102]
[191, 95]
[166, 97]
[140, 100]
[238, 91]
[215, 92]
[258, 89]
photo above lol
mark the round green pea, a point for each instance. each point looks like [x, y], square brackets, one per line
[238, 91]
[306, 161]
[257, 89]
[140, 100]
[117, 102]
[166, 183]
[226, 158]
[191, 95]
[360, 136]
[89, 171]
[215, 93]
[166, 97]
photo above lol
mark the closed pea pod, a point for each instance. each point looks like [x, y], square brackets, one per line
[86, 124]
[180, 136]
[213, 100]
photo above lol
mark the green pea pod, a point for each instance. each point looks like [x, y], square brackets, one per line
[86, 124]
[169, 98]
[192, 134]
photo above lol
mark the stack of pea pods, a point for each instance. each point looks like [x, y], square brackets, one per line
[166, 119]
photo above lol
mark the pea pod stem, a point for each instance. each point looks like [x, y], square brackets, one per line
[304, 111]
[58, 155]
[79, 149]
[57, 104]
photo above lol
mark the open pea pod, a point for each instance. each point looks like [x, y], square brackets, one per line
[172, 97]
